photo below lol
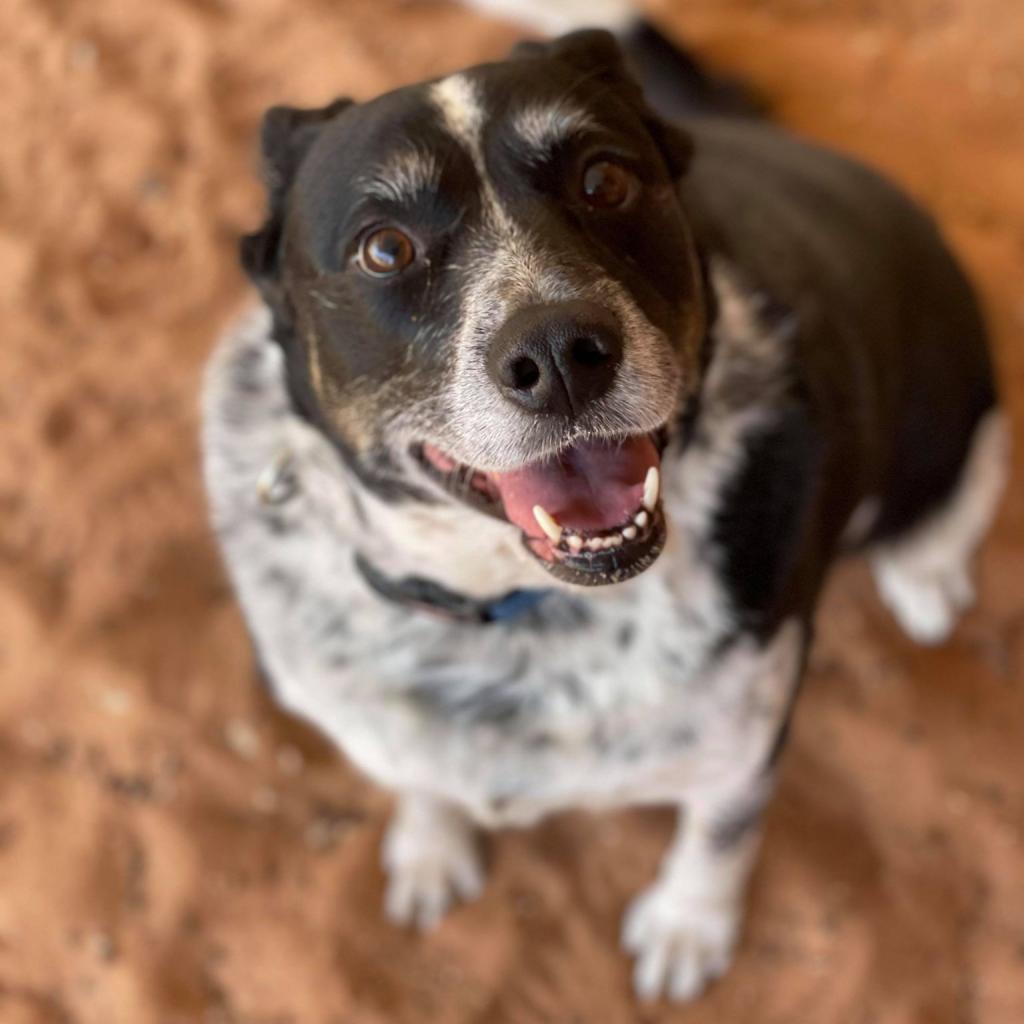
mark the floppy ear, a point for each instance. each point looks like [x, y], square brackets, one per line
[596, 54]
[286, 136]
[590, 50]
[675, 144]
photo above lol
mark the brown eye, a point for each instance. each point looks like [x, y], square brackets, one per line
[384, 252]
[607, 185]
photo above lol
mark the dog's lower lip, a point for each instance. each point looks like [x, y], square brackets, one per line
[606, 565]
[607, 568]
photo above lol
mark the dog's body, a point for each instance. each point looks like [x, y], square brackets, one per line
[822, 385]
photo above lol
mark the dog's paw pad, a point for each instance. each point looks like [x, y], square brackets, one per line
[428, 871]
[681, 944]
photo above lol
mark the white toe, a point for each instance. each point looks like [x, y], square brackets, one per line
[681, 943]
[432, 861]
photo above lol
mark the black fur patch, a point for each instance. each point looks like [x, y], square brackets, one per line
[760, 524]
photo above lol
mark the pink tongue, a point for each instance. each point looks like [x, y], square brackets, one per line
[595, 486]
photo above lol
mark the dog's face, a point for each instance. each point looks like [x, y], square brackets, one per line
[488, 294]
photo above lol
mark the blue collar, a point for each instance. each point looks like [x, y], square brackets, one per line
[426, 595]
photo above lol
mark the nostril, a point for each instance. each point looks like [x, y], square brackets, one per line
[587, 351]
[555, 359]
[525, 373]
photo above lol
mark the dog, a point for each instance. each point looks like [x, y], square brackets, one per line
[531, 465]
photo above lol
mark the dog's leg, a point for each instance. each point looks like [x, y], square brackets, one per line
[925, 577]
[431, 858]
[683, 929]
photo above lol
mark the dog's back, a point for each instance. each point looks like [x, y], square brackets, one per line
[858, 262]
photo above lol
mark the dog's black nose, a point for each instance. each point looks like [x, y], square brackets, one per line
[556, 359]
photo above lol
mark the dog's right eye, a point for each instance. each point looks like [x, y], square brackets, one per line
[385, 252]
[607, 185]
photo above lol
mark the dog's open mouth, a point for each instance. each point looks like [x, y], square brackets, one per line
[591, 515]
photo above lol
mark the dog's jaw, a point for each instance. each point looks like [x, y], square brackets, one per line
[590, 516]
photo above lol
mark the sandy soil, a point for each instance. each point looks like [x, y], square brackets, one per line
[171, 848]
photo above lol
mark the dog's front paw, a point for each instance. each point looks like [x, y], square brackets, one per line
[432, 860]
[680, 942]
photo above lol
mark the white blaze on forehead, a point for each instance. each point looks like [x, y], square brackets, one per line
[459, 101]
[460, 104]
[543, 126]
[403, 176]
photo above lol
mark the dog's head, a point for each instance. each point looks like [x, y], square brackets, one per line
[488, 294]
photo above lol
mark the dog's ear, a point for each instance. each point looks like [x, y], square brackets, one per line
[596, 54]
[286, 136]
[591, 50]
[675, 144]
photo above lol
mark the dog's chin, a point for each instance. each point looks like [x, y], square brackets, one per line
[591, 515]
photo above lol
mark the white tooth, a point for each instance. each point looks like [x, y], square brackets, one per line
[575, 543]
[629, 532]
[594, 544]
[640, 519]
[546, 521]
[652, 484]
[614, 541]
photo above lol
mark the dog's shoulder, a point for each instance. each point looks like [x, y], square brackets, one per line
[748, 471]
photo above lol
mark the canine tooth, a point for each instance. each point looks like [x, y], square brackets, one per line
[595, 544]
[546, 521]
[575, 542]
[614, 541]
[629, 532]
[652, 484]
[641, 519]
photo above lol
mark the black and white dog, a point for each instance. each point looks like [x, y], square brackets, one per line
[531, 467]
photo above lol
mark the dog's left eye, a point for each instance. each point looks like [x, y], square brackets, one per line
[385, 252]
[607, 185]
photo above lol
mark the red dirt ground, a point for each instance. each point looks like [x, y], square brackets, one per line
[174, 850]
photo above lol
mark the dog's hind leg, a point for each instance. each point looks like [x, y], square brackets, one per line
[925, 576]
[431, 857]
